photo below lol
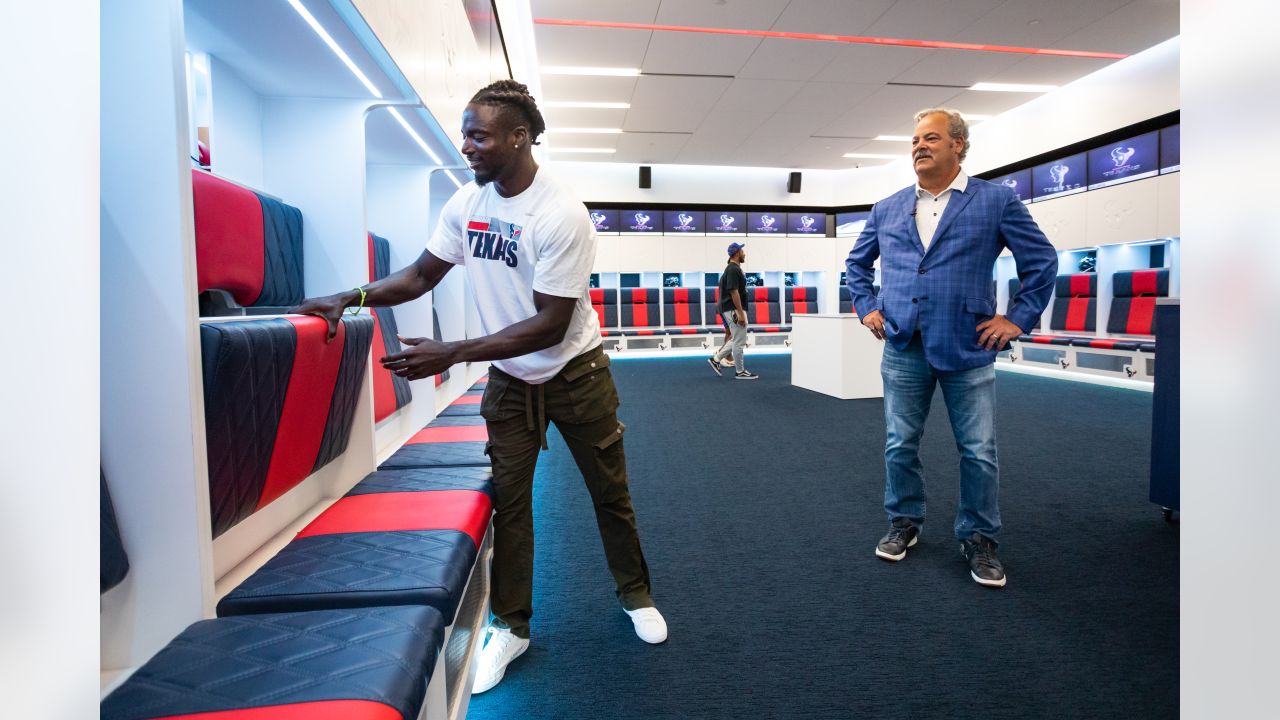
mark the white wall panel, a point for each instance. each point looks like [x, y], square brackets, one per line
[808, 254]
[235, 134]
[766, 254]
[607, 254]
[681, 253]
[1169, 211]
[1122, 213]
[152, 404]
[1063, 220]
[640, 253]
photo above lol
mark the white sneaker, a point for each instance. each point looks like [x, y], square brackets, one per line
[500, 649]
[650, 625]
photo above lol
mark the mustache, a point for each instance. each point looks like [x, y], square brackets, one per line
[921, 154]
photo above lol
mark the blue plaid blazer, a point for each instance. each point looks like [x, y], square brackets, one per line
[945, 292]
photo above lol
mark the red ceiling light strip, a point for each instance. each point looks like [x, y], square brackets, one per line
[896, 42]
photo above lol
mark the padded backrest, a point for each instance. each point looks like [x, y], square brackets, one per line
[764, 313]
[247, 244]
[762, 294]
[1075, 307]
[638, 296]
[800, 307]
[1076, 285]
[113, 560]
[681, 314]
[279, 405]
[438, 335]
[640, 315]
[802, 294]
[1133, 309]
[605, 302]
[390, 391]
[672, 296]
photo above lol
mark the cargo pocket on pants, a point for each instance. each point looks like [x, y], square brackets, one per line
[611, 439]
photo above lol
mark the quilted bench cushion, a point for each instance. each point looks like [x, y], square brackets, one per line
[362, 664]
[279, 404]
[367, 549]
[113, 561]
[458, 446]
[478, 479]
[465, 405]
[390, 391]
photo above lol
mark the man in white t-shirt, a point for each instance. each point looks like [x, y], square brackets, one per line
[528, 246]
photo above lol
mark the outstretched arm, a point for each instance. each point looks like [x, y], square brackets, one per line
[545, 329]
[407, 284]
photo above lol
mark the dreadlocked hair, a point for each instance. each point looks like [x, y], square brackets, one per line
[514, 99]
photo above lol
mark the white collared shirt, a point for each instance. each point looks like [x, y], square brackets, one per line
[929, 207]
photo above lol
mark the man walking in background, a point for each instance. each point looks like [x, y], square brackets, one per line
[937, 243]
[528, 246]
[733, 308]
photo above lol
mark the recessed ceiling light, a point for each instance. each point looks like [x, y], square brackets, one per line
[894, 138]
[1013, 87]
[577, 70]
[337, 50]
[586, 105]
[590, 131]
[599, 151]
[876, 156]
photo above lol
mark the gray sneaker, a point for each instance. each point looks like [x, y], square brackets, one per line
[746, 375]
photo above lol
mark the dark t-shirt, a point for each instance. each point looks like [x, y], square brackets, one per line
[732, 279]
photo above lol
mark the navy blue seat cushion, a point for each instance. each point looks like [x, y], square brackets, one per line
[113, 561]
[360, 569]
[354, 664]
[1046, 339]
[443, 446]
[1105, 344]
[479, 479]
[465, 405]
[1147, 347]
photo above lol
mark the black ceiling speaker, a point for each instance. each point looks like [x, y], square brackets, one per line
[793, 182]
[646, 177]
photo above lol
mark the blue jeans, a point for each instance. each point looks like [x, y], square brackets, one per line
[970, 396]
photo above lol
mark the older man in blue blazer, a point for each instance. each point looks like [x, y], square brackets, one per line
[937, 243]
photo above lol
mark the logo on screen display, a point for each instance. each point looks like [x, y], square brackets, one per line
[1059, 175]
[1010, 183]
[766, 223]
[726, 223]
[806, 224]
[598, 219]
[1120, 155]
[642, 222]
[685, 220]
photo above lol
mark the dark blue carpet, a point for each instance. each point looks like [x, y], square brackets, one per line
[759, 507]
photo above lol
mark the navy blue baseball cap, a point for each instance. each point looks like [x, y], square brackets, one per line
[734, 248]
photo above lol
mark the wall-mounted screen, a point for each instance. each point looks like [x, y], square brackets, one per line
[629, 280]
[684, 221]
[712, 279]
[1170, 149]
[755, 279]
[1060, 177]
[807, 224]
[851, 223]
[766, 223]
[640, 221]
[726, 221]
[594, 281]
[606, 221]
[1132, 159]
[670, 279]
[1019, 182]
[791, 279]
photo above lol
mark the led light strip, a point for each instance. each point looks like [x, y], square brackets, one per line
[342, 55]
[416, 137]
[453, 178]
[897, 42]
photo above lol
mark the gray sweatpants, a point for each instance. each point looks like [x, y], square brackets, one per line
[737, 341]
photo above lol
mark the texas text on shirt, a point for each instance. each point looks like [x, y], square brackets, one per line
[540, 240]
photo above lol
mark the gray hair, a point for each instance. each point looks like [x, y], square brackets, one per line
[957, 127]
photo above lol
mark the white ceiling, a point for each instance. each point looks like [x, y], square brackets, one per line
[804, 103]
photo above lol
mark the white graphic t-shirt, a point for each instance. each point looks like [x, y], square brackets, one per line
[541, 239]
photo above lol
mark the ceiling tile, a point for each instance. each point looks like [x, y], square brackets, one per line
[633, 11]
[595, 47]
[584, 117]
[672, 103]
[649, 147]
[957, 67]
[836, 17]
[720, 134]
[930, 19]
[1037, 23]
[697, 53]
[1048, 70]
[869, 63]
[988, 103]
[888, 111]
[738, 14]
[828, 102]
[753, 95]
[1130, 29]
[777, 59]
[597, 89]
